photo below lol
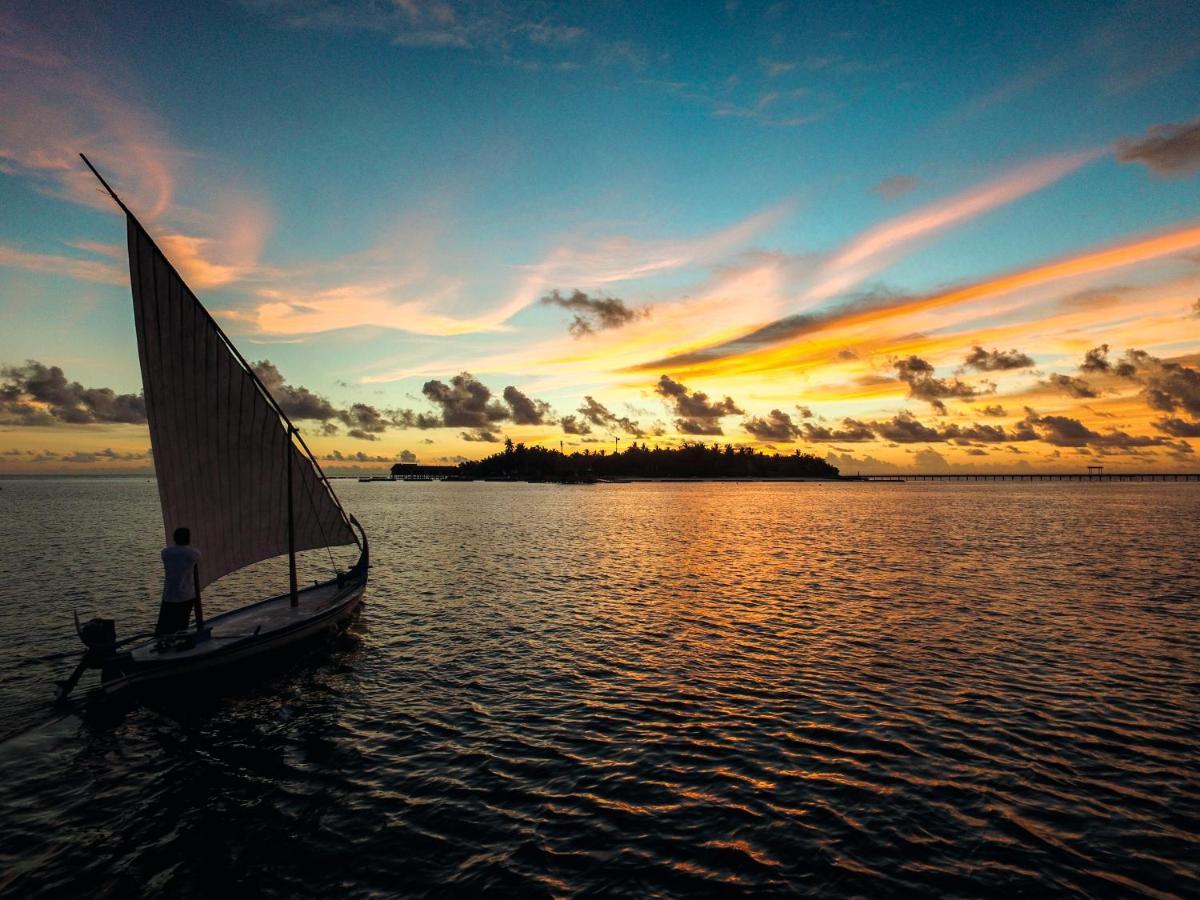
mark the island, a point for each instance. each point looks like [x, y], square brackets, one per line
[690, 460]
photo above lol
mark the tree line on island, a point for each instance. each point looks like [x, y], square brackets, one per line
[689, 460]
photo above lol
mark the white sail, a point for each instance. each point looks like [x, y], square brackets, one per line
[221, 446]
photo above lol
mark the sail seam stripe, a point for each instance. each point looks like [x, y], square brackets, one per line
[137, 275]
[233, 476]
[253, 435]
[201, 424]
[187, 384]
[173, 360]
[165, 316]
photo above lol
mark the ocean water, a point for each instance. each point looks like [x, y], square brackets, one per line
[642, 689]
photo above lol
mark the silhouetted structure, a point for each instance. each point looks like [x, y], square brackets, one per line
[1034, 476]
[415, 472]
[692, 460]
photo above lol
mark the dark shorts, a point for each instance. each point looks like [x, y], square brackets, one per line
[174, 617]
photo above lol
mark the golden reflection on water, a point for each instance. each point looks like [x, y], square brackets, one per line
[668, 687]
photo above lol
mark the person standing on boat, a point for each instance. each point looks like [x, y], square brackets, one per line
[181, 584]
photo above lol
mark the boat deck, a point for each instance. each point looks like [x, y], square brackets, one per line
[264, 618]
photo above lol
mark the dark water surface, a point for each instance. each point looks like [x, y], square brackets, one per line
[639, 689]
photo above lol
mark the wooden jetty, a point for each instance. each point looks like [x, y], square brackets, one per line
[415, 472]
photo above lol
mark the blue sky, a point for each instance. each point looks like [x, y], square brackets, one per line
[423, 173]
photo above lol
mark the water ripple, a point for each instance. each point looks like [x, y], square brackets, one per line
[640, 689]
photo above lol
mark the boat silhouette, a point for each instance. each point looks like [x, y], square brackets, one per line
[233, 469]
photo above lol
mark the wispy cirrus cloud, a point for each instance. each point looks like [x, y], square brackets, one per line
[881, 245]
[63, 97]
[721, 307]
[405, 23]
[204, 262]
[596, 264]
[57, 103]
[1136, 45]
[757, 348]
[292, 311]
[100, 271]
[533, 36]
[765, 104]
[398, 284]
[238, 227]
[757, 287]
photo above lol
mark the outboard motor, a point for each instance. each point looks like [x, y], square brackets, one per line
[100, 638]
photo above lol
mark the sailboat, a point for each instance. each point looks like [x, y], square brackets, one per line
[233, 469]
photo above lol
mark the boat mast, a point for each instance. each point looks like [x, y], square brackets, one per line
[291, 521]
[117, 200]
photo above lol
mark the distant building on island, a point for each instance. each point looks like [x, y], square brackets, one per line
[417, 472]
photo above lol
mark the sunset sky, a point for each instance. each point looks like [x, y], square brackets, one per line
[920, 236]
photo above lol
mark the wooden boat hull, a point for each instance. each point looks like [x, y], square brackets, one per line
[232, 640]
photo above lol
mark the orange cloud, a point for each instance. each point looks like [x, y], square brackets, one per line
[375, 304]
[54, 106]
[717, 311]
[71, 267]
[1089, 263]
[735, 297]
[823, 339]
[233, 255]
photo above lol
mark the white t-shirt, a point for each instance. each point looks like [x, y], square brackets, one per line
[179, 584]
